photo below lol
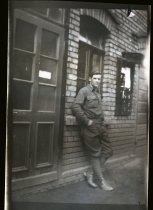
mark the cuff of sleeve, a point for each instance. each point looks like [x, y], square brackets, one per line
[86, 121]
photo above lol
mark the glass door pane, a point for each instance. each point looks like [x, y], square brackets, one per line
[48, 71]
[49, 44]
[47, 75]
[46, 98]
[24, 35]
[22, 65]
[21, 95]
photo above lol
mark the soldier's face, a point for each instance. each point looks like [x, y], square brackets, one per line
[95, 80]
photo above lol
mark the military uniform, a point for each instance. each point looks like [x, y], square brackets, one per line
[88, 106]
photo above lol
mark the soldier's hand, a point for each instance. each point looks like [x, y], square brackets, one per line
[90, 122]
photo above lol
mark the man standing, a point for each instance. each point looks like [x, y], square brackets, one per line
[87, 108]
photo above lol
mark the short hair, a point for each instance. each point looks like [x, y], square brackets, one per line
[94, 73]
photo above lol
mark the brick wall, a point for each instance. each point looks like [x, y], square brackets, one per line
[124, 132]
[73, 155]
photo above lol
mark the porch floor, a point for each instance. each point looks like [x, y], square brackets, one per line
[128, 178]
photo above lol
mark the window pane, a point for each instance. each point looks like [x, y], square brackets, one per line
[49, 44]
[46, 98]
[48, 71]
[80, 84]
[95, 65]
[21, 95]
[41, 10]
[44, 143]
[56, 14]
[125, 93]
[96, 39]
[93, 31]
[82, 62]
[124, 89]
[125, 72]
[22, 65]
[20, 144]
[24, 36]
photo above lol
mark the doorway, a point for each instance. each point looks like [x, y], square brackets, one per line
[38, 47]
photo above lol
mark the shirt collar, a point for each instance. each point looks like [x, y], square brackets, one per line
[92, 88]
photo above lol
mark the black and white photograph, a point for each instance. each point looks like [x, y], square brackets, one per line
[77, 106]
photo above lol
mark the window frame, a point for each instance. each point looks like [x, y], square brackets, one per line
[90, 50]
[121, 108]
[47, 16]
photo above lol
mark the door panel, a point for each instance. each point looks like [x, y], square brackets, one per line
[21, 137]
[37, 54]
[44, 147]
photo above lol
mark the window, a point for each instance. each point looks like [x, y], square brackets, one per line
[89, 59]
[93, 32]
[91, 48]
[55, 14]
[124, 88]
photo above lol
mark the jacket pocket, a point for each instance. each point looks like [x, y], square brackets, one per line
[92, 101]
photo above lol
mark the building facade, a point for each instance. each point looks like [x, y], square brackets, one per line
[53, 51]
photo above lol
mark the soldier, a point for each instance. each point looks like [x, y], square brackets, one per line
[87, 108]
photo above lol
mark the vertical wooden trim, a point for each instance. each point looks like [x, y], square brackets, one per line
[8, 116]
[63, 92]
[87, 67]
[101, 69]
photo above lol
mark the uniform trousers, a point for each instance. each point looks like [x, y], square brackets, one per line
[97, 145]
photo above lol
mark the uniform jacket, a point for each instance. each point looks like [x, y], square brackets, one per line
[88, 105]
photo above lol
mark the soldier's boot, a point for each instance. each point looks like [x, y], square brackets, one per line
[89, 179]
[104, 185]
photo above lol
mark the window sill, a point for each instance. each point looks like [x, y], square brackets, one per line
[70, 120]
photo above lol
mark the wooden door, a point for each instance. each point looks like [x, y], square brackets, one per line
[37, 77]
